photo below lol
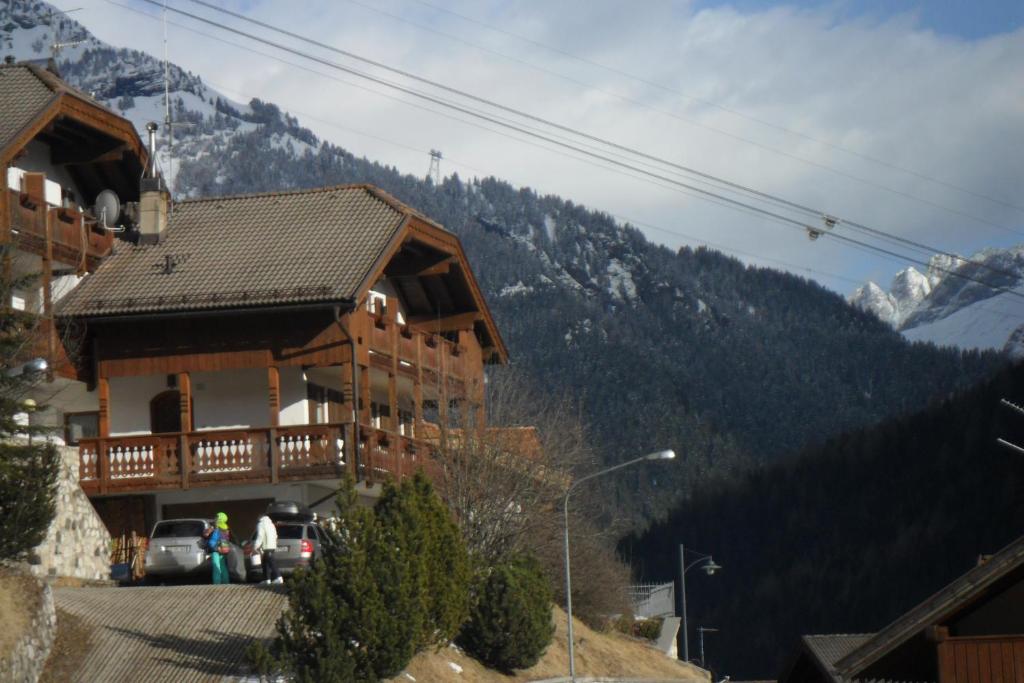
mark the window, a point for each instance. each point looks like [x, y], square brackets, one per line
[289, 531]
[183, 528]
[79, 426]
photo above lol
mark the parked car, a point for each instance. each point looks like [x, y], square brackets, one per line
[298, 545]
[177, 549]
[300, 540]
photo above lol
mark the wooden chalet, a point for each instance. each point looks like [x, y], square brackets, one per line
[59, 149]
[241, 349]
[971, 631]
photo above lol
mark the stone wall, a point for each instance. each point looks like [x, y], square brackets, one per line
[28, 658]
[77, 543]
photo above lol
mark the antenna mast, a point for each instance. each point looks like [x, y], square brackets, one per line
[168, 124]
[57, 45]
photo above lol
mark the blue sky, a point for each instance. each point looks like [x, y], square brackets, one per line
[966, 19]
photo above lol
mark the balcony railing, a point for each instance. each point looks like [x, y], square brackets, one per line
[265, 455]
[74, 239]
[435, 353]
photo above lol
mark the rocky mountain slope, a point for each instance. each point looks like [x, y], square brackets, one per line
[939, 307]
[688, 349]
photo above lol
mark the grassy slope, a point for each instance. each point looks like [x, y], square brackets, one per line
[597, 654]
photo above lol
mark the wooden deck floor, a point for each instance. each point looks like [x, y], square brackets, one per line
[186, 634]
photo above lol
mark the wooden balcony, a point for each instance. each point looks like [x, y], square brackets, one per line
[74, 241]
[266, 455]
[432, 353]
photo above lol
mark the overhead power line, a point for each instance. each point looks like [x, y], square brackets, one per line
[722, 107]
[518, 112]
[817, 213]
[678, 117]
[574, 147]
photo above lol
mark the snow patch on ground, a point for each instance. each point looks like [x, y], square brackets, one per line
[516, 289]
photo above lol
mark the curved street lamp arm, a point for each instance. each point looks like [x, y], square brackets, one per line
[598, 474]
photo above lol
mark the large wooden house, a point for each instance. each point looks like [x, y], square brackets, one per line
[230, 351]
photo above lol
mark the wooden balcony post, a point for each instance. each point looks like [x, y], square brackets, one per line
[47, 267]
[417, 389]
[5, 213]
[103, 391]
[185, 401]
[364, 395]
[442, 399]
[274, 395]
[392, 322]
[102, 465]
[275, 455]
[348, 412]
[185, 415]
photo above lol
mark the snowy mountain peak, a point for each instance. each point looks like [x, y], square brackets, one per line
[874, 299]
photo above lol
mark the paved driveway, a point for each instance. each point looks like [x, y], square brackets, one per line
[183, 634]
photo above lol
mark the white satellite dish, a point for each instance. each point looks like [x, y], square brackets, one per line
[107, 209]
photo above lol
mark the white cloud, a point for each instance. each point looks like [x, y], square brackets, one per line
[948, 108]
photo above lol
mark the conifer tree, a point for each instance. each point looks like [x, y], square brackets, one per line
[368, 605]
[28, 468]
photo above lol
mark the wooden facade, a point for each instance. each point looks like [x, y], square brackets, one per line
[981, 659]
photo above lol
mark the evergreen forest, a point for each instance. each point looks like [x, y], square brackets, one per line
[848, 535]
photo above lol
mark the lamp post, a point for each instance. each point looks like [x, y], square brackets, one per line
[701, 630]
[657, 455]
[710, 567]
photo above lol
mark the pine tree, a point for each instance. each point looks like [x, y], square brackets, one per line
[28, 468]
[368, 605]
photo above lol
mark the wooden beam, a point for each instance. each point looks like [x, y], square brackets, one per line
[103, 391]
[51, 346]
[417, 389]
[404, 265]
[185, 400]
[447, 323]
[392, 325]
[274, 395]
[107, 150]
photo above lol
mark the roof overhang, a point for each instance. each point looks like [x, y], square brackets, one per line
[453, 264]
[104, 148]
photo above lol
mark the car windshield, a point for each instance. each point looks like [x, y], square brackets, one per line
[291, 531]
[181, 528]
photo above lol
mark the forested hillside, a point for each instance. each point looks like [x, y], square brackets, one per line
[849, 535]
[691, 349]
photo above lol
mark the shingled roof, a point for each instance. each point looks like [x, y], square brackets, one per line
[249, 250]
[23, 96]
[26, 91]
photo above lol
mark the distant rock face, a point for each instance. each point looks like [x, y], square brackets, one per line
[908, 290]
[957, 301]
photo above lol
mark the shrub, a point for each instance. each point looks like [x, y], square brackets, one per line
[649, 629]
[366, 607]
[510, 622]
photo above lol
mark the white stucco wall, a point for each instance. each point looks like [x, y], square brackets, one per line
[294, 408]
[226, 399]
[129, 403]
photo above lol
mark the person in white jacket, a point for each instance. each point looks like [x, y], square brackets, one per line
[265, 545]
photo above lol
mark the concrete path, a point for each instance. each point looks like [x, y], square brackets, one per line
[186, 634]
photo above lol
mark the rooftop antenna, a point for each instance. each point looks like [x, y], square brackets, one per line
[169, 124]
[435, 167]
[57, 45]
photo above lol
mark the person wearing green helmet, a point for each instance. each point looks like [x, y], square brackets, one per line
[219, 548]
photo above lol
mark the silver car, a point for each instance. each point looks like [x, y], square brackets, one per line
[298, 545]
[177, 549]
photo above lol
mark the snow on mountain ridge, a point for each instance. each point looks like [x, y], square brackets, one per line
[957, 302]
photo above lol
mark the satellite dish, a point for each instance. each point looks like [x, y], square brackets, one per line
[107, 208]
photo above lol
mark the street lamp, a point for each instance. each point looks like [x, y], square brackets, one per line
[657, 455]
[709, 567]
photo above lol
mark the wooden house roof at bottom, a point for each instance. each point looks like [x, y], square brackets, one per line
[263, 250]
[940, 607]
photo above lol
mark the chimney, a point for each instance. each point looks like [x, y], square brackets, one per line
[154, 198]
[9, 59]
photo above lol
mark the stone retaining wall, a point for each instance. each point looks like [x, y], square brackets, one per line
[77, 544]
[28, 658]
